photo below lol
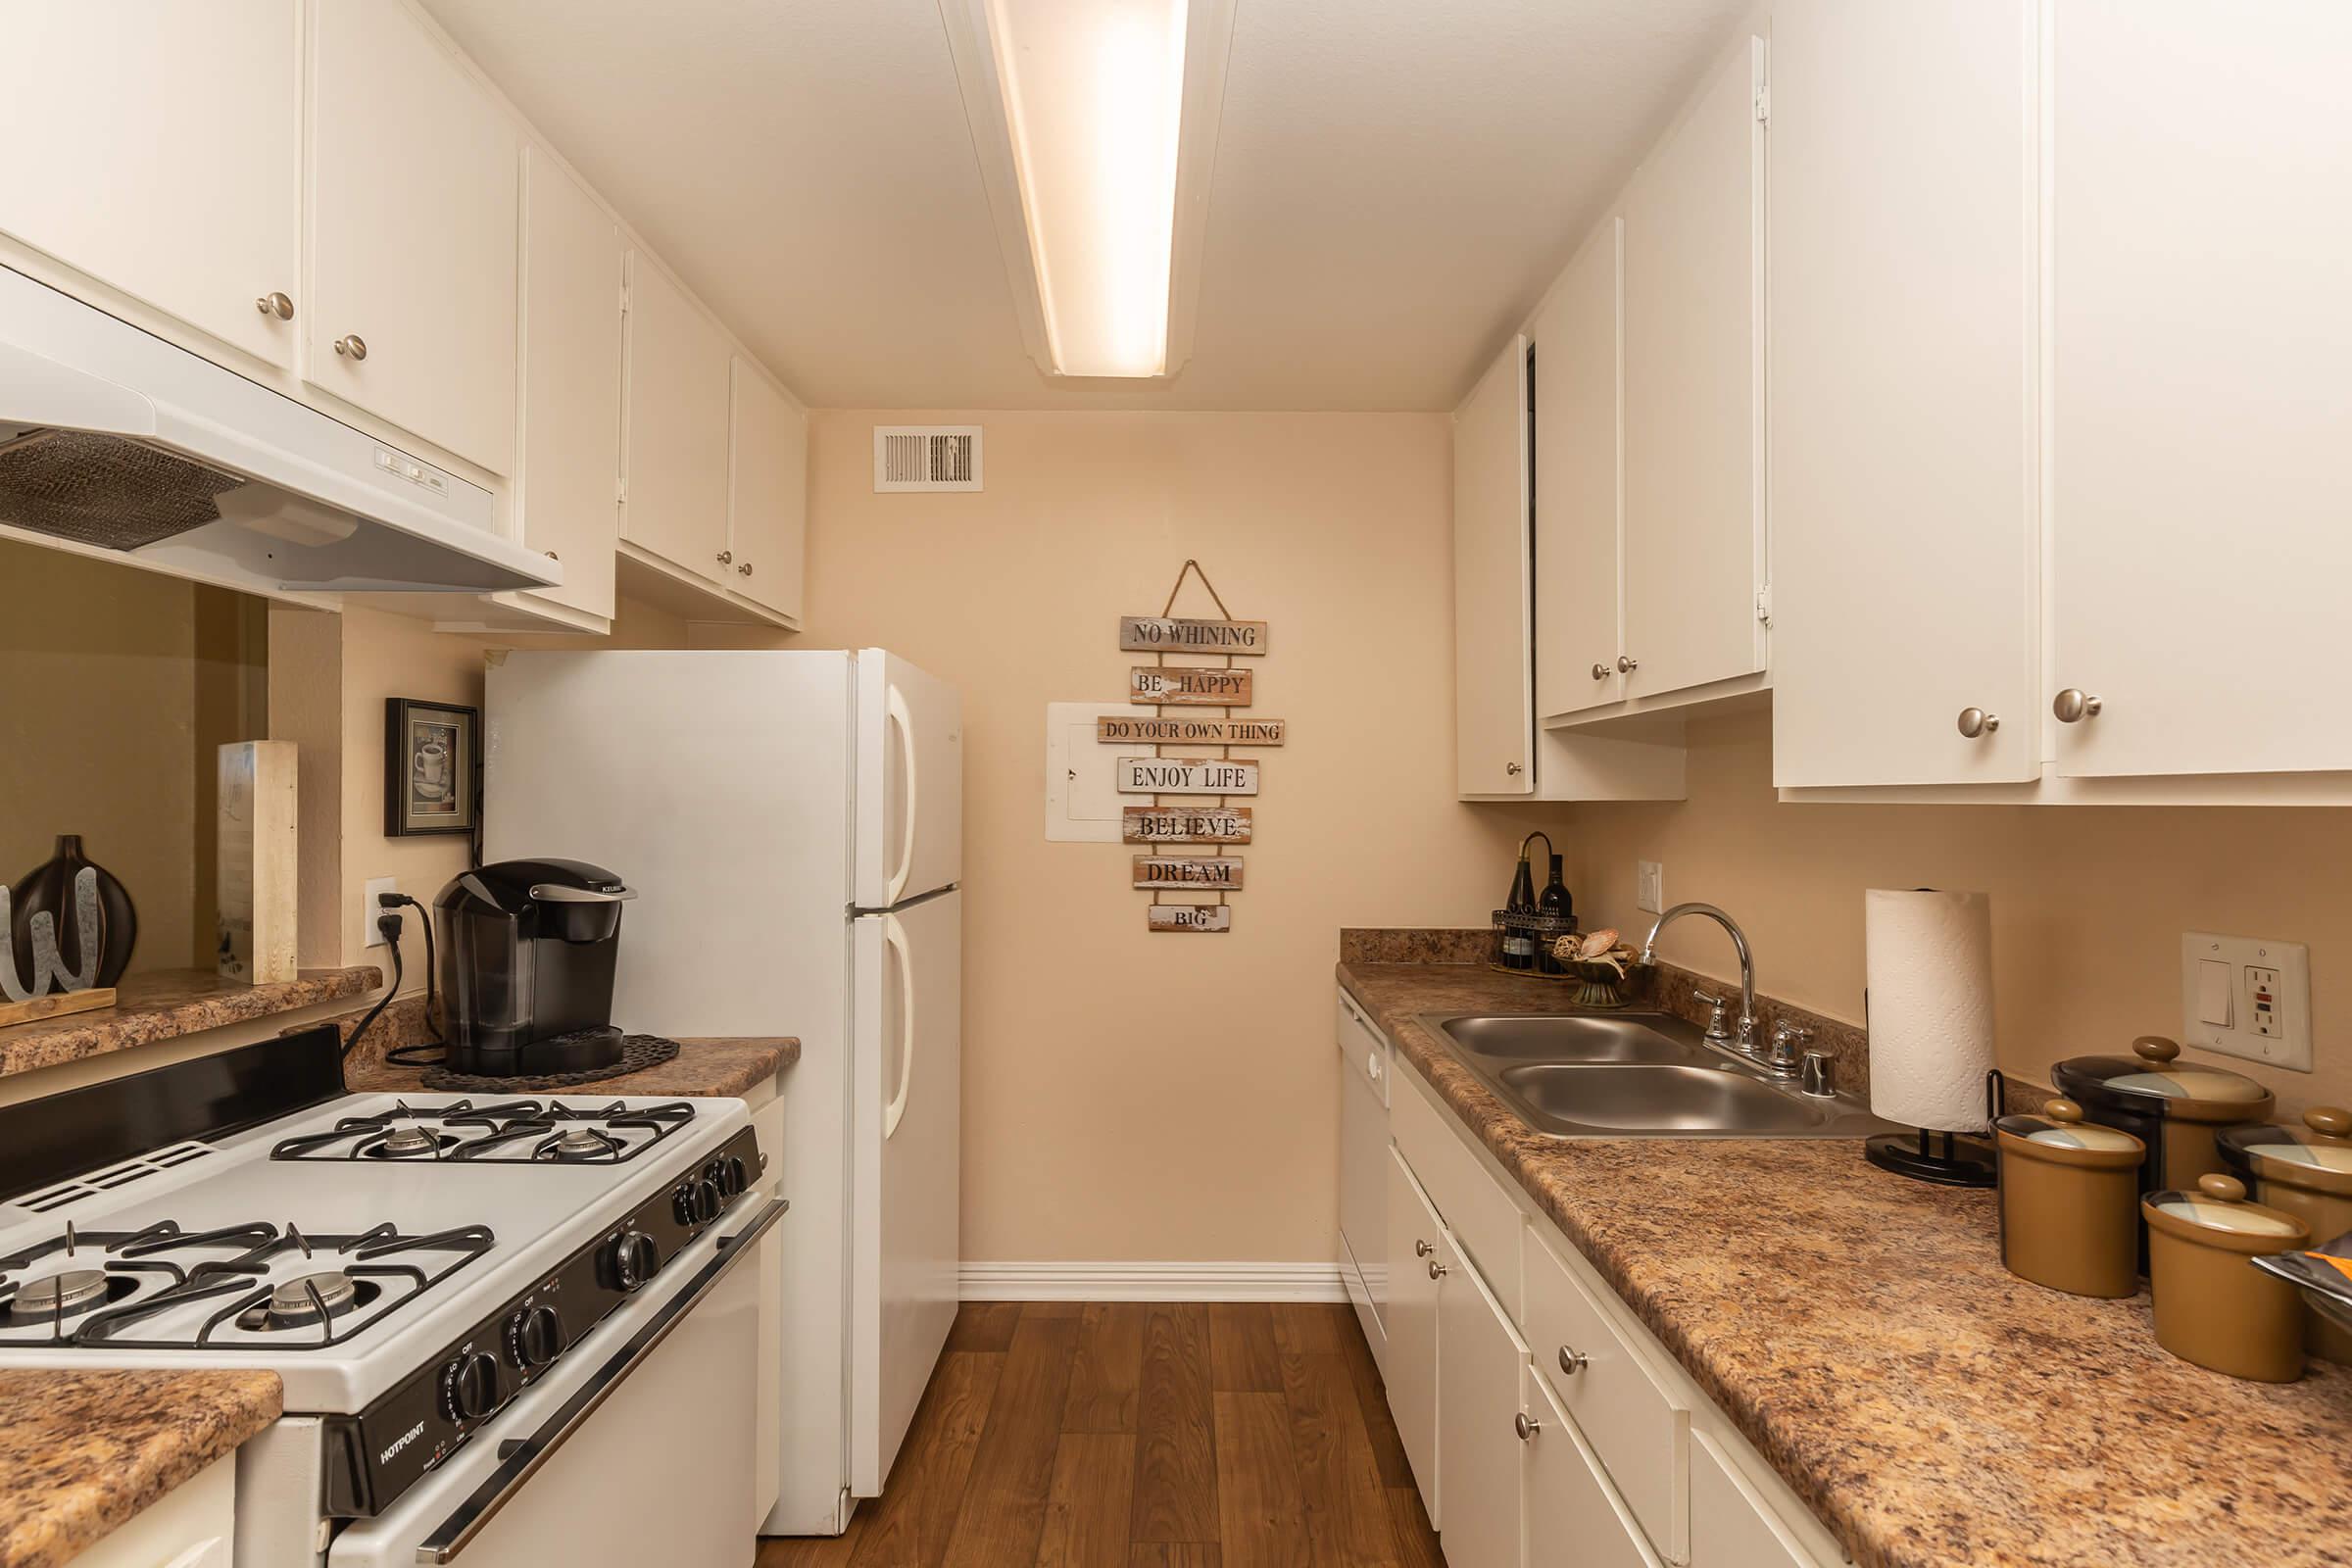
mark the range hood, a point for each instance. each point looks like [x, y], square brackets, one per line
[114, 440]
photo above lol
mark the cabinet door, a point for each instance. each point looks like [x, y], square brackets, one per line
[1494, 695]
[679, 395]
[1415, 1240]
[569, 496]
[1572, 1519]
[1577, 444]
[1731, 1526]
[413, 206]
[159, 149]
[2200, 329]
[1481, 1362]
[1693, 392]
[1905, 530]
[768, 495]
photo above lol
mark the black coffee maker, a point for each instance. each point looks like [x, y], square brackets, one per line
[528, 951]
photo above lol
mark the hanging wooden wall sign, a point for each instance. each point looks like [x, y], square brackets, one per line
[1190, 731]
[1158, 634]
[1220, 871]
[1188, 687]
[1186, 775]
[1216, 917]
[1185, 824]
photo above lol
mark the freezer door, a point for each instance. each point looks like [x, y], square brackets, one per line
[910, 811]
[905, 1110]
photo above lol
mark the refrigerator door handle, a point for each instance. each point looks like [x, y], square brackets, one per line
[894, 935]
[896, 714]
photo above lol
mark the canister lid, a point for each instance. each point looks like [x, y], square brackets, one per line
[2220, 1205]
[2318, 1154]
[2148, 1082]
[2061, 1126]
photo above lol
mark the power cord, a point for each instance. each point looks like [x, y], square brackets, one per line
[389, 922]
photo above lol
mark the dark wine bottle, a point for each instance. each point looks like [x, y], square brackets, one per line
[1554, 899]
[1518, 947]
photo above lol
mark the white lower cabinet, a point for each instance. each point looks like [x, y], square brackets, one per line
[191, 1526]
[1573, 1519]
[1415, 1240]
[1731, 1525]
[1480, 1360]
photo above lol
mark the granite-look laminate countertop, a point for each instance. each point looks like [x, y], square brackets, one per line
[164, 1004]
[713, 1067]
[1859, 1328]
[81, 1452]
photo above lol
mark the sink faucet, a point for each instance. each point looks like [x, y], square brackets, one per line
[1745, 1043]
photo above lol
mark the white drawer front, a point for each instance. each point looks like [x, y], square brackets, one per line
[1574, 1520]
[1731, 1526]
[1481, 1215]
[1629, 1419]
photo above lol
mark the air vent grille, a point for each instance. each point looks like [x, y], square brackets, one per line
[927, 457]
[99, 1183]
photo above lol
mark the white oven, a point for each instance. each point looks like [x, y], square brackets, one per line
[638, 1446]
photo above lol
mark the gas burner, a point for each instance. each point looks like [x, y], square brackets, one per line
[67, 1293]
[405, 1143]
[502, 1132]
[581, 1142]
[306, 1299]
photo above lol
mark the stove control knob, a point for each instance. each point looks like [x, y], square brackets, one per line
[697, 1203]
[471, 1386]
[535, 1338]
[630, 1260]
[729, 1176]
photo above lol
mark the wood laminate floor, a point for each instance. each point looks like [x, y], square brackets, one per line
[1131, 1435]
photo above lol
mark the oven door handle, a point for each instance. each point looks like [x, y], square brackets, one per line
[521, 1458]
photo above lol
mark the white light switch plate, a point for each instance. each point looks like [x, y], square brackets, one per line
[1649, 886]
[2257, 970]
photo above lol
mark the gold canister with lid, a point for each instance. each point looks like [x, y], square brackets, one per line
[2173, 1108]
[2305, 1171]
[2212, 1306]
[2070, 1192]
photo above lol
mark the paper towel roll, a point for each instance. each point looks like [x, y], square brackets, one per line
[1928, 962]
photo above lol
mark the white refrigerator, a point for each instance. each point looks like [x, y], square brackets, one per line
[792, 825]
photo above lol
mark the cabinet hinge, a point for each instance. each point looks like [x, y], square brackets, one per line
[1764, 106]
[625, 299]
[620, 491]
[1764, 605]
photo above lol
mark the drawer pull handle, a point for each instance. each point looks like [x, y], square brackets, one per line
[1571, 1362]
[1437, 1271]
[1372, 1066]
[352, 344]
[1526, 1426]
[1422, 1249]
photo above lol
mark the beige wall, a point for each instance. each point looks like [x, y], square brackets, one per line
[116, 686]
[1130, 1095]
[2088, 903]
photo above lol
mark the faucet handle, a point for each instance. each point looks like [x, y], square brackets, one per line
[1702, 995]
[1788, 1042]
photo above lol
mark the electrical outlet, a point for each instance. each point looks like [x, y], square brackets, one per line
[2246, 997]
[371, 937]
[1649, 886]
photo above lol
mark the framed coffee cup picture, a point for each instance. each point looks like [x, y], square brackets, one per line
[431, 758]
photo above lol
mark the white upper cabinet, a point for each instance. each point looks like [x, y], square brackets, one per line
[1577, 430]
[1494, 695]
[2201, 329]
[680, 393]
[1905, 528]
[1695, 546]
[411, 230]
[158, 148]
[769, 493]
[567, 494]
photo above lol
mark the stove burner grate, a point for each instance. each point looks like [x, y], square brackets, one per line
[463, 1131]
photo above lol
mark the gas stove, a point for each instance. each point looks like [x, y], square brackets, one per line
[433, 1257]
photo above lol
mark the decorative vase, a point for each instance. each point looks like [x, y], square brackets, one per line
[50, 887]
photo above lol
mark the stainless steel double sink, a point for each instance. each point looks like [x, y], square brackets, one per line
[1636, 1075]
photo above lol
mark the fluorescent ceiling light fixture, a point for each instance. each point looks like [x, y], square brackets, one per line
[1096, 125]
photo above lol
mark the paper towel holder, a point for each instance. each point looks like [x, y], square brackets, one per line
[1947, 1160]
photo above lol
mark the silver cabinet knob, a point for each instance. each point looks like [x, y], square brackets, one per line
[1511, 769]
[744, 571]
[2072, 706]
[277, 305]
[1436, 1270]
[1974, 721]
[352, 344]
[1626, 666]
[1571, 1362]
[1422, 1249]
[1600, 672]
[551, 555]
[1526, 1426]
[726, 557]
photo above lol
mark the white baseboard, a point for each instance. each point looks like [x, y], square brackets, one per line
[1152, 1282]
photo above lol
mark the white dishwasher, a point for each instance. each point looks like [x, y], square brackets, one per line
[1365, 1064]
